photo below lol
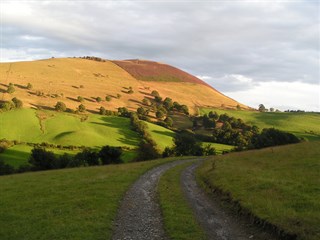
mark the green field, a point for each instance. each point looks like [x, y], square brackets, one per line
[219, 147]
[68, 129]
[161, 135]
[280, 184]
[78, 203]
[179, 220]
[306, 125]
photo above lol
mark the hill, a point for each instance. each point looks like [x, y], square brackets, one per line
[65, 79]
[280, 185]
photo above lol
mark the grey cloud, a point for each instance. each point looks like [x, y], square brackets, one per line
[276, 41]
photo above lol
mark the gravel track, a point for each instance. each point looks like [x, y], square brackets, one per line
[217, 223]
[139, 216]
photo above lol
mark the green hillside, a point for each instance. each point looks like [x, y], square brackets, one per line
[68, 129]
[306, 125]
[280, 184]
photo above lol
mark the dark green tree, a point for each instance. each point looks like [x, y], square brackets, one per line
[60, 107]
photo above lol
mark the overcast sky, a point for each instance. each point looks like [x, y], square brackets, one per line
[253, 51]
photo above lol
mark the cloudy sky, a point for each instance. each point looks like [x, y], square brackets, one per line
[253, 51]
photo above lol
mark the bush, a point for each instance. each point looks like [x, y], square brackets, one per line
[108, 98]
[17, 102]
[102, 111]
[81, 108]
[169, 121]
[80, 99]
[110, 155]
[98, 99]
[60, 107]
[155, 93]
[29, 86]
[118, 96]
[10, 88]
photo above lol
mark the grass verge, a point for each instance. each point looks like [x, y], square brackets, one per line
[179, 220]
[278, 185]
[76, 203]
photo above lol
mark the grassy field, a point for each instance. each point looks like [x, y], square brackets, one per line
[219, 147]
[179, 220]
[161, 135]
[79, 203]
[301, 124]
[280, 185]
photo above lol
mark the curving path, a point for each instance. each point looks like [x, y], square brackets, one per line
[139, 216]
[217, 223]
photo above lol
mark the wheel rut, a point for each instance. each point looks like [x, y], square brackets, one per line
[219, 224]
[139, 216]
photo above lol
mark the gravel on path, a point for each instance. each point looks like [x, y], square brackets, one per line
[139, 216]
[218, 223]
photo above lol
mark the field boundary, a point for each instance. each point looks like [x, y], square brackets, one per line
[235, 206]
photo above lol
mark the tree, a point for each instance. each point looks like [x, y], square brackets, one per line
[41, 159]
[98, 99]
[60, 107]
[146, 101]
[186, 144]
[88, 157]
[147, 150]
[271, 109]
[17, 102]
[118, 95]
[169, 121]
[108, 98]
[81, 108]
[155, 93]
[142, 111]
[160, 114]
[167, 103]
[29, 86]
[123, 112]
[80, 99]
[110, 155]
[10, 88]
[262, 108]
[102, 111]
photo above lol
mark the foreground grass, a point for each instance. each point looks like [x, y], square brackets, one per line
[304, 125]
[280, 185]
[66, 204]
[179, 220]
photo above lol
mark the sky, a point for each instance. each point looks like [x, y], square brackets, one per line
[253, 51]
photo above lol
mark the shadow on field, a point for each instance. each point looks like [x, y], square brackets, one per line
[169, 134]
[271, 118]
[126, 135]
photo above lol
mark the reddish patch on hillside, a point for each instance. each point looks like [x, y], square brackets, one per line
[154, 71]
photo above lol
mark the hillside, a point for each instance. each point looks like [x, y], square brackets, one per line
[65, 79]
[280, 185]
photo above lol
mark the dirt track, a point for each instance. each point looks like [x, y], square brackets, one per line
[139, 216]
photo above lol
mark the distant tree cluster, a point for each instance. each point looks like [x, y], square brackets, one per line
[233, 131]
[93, 58]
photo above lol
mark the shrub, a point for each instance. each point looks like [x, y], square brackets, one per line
[108, 98]
[5, 168]
[118, 96]
[80, 99]
[10, 88]
[169, 121]
[155, 93]
[102, 111]
[87, 157]
[98, 99]
[29, 86]
[60, 107]
[81, 108]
